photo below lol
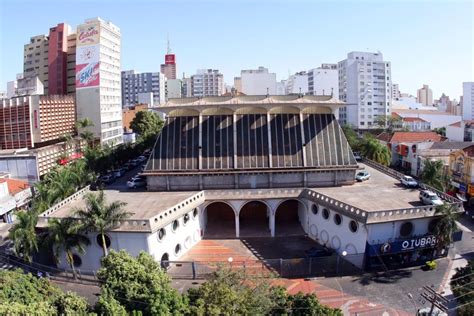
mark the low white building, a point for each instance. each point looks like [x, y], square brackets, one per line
[257, 81]
[460, 131]
[298, 83]
[436, 118]
[323, 80]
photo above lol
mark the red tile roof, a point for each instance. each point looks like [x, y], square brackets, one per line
[413, 119]
[457, 124]
[409, 137]
[15, 186]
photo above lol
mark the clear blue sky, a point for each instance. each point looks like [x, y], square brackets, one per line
[428, 42]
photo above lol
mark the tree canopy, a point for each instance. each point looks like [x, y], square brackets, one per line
[146, 123]
[462, 285]
[433, 174]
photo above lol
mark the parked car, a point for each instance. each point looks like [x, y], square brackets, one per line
[429, 198]
[119, 172]
[138, 176]
[357, 156]
[409, 182]
[141, 158]
[107, 179]
[135, 162]
[142, 167]
[316, 252]
[136, 183]
[362, 176]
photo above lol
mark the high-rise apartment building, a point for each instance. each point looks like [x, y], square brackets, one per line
[35, 59]
[467, 100]
[238, 84]
[98, 88]
[174, 88]
[207, 82]
[425, 95]
[29, 121]
[187, 87]
[365, 84]
[135, 83]
[257, 82]
[395, 92]
[323, 80]
[297, 83]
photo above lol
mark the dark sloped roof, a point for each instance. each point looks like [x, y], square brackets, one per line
[451, 145]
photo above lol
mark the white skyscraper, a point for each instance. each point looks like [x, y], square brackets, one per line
[468, 100]
[297, 83]
[323, 80]
[207, 82]
[258, 81]
[98, 79]
[365, 83]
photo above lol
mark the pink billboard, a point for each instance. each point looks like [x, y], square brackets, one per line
[87, 75]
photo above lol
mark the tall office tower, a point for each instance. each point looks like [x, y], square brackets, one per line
[425, 95]
[135, 83]
[395, 92]
[323, 80]
[98, 89]
[71, 63]
[365, 83]
[467, 100]
[169, 67]
[257, 82]
[187, 87]
[57, 58]
[297, 83]
[207, 82]
[35, 59]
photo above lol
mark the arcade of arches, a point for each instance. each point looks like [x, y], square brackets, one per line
[254, 219]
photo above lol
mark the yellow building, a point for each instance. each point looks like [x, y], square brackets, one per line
[461, 169]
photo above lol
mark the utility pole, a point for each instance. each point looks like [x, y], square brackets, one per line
[435, 299]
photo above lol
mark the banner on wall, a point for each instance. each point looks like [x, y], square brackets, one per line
[87, 75]
[87, 54]
[88, 35]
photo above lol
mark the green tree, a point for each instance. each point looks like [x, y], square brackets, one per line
[388, 123]
[84, 131]
[139, 284]
[62, 184]
[146, 123]
[64, 235]
[433, 174]
[108, 305]
[23, 234]
[374, 150]
[462, 285]
[98, 216]
[446, 224]
[24, 294]
[352, 137]
[441, 131]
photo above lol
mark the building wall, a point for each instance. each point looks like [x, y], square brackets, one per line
[207, 82]
[135, 83]
[20, 166]
[425, 95]
[297, 83]
[57, 59]
[365, 84]
[35, 59]
[323, 80]
[15, 123]
[455, 133]
[71, 63]
[173, 88]
[468, 100]
[257, 82]
[128, 114]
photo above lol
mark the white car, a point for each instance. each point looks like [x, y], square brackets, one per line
[409, 182]
[429, 198]
[362, 176]
[136, 183]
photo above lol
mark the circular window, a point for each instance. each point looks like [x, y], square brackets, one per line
[195, 213]
[337, 219]
[185, 218]
[314, 209]
[325, 213]
[187, 242]
[165, 261]
[353, 226]
[175, 225]
[76, 260]
[432, 225]
[99, 240]
[177, 249]
[161, 234]
[406, 229]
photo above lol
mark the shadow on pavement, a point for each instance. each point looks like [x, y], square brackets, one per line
[386, 277]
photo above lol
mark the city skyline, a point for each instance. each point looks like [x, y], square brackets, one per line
[264, 40]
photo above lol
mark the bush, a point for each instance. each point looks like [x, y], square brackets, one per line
[431, 265]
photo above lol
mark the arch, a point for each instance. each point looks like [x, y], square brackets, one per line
[217, 111]
[254, 219]
[284, 110]
[219, 219]
[317, 109]
[183, 112]
[251, 110]
[288, 217]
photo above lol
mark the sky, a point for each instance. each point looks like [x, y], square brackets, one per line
[427, 42]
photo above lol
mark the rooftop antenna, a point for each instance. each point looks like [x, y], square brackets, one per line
[168, 51]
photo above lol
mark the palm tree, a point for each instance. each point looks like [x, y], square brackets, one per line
[433, 174]
[377, 152]
[63, 185]
[23, 234]
[446, 225]
[84, 123]
[41, 198]
[101, 217]
[65, 235]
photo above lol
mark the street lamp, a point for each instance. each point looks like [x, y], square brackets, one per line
[230, 259]
[344, 253]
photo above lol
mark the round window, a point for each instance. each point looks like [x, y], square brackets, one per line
[325, 213]
[175, 225]
[185, 218]
[161, 234]
[99, 240]
[177, 249]
[314, 209]
[77, 261]
[353, 226]
[432, 225]
[337, 219]
[406, 229]
[195, 212]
